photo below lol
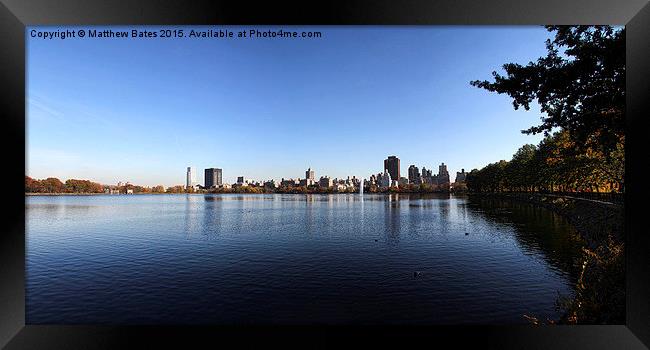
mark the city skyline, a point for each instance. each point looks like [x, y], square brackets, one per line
[213, 177]
[263, 109]
[393, 162]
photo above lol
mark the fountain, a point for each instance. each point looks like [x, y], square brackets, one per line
[361, 187]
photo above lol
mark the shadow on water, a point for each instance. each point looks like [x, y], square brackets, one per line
[536, 229]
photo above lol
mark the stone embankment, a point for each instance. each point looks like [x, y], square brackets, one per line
[594, 220]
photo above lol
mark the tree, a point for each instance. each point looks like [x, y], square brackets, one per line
[52, 185]
[580, 87]
[176, 189]
[82, 186]
[459, 187]
[32, 185]
[521, 171]
[580, 90]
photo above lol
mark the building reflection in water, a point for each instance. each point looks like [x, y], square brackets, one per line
[212, 215]
[190, 217]
[309, 213]
[392, 219]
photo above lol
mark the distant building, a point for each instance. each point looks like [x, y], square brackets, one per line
[306, 182]
[270, 184]
[414, 174]
[443, 175]
[392, 165]
[325, 182]
[427, 177]
[242, 181]
[384, 179]
[213, 177]
[372, 180]
[461, 176]
[309, 174]
[289, 182]
[190, 178]
[403, 181]
[111, 190]
[129, 191]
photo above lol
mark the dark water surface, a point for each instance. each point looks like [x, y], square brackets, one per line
[293, 259]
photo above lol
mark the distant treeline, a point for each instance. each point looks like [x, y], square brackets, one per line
[54, 185]
[555, 165]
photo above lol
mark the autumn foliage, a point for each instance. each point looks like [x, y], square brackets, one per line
[580, 88]
[54, 185]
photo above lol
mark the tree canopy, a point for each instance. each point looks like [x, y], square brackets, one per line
[580, 88]
[579, 85]
[553, 165]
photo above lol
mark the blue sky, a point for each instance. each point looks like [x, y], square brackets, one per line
[142, 110]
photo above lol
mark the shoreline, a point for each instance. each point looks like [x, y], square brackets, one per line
[30, 194]
[595, 221]
[246, 193]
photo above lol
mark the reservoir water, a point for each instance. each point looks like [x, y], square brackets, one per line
[294, 259]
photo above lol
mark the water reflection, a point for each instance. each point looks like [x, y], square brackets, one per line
[536, 229]
[309, 213]
[212, 215]
[298, 256]
[392, 218]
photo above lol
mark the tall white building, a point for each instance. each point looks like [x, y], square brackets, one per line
[190, 178]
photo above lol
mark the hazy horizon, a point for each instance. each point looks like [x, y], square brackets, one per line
[143, 110]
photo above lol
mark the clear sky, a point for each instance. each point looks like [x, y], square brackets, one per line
[142, 110]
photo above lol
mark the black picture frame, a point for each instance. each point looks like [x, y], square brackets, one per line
[15, 15]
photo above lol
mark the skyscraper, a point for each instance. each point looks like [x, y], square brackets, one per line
[414, 174]
[309, 174]
[443, 174]
[392, 165]
[427, 176]
[190, 178]
[384, 179]
[213, 177]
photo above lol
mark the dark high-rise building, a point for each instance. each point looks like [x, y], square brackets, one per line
[461, 176]
[213, 177]
[392, 165]
[443, 174]
[309, 174]
[414, 174]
